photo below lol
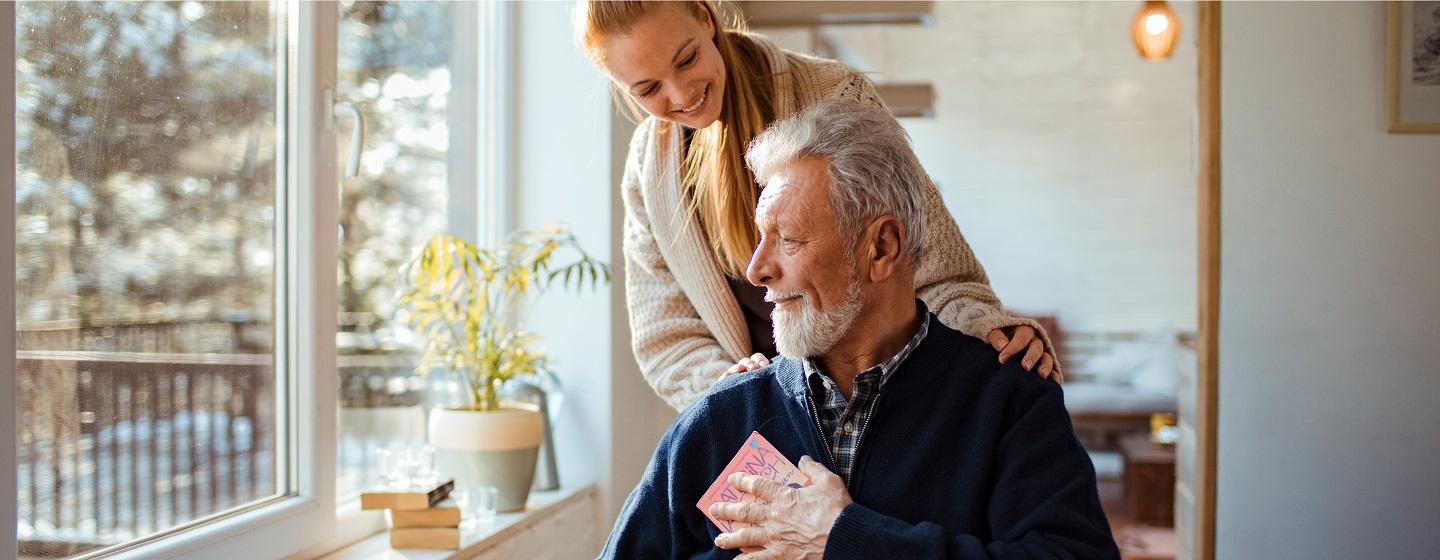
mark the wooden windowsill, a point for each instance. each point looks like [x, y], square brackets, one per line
[475, 541]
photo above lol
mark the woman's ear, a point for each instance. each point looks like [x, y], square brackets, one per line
[705, 19]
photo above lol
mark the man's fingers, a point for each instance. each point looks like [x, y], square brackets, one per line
[759, 554]
[752, 513]
[813, 469]
[1047, 365]
[1037, 349]
[747, 537]
[765, 488]
[997, 339]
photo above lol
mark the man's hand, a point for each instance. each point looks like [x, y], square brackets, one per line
[794, 524]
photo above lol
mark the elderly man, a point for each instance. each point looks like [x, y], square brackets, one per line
[926, 446]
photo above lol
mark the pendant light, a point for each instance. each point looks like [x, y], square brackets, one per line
[1155, 29]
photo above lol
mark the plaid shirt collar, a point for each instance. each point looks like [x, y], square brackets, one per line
[844, 421]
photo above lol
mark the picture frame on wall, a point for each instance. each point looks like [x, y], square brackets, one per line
[1414, 66]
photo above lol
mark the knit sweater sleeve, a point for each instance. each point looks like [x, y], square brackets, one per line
[949, 279]
[677, 353]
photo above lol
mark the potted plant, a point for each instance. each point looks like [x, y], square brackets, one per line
[465, 302]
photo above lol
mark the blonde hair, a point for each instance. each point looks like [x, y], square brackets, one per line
[722, 192]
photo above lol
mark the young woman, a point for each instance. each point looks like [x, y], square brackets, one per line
[689, 200]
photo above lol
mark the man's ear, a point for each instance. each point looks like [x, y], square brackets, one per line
[884, 247]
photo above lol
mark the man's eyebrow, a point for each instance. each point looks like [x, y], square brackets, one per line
[762, 221]
[672, 59]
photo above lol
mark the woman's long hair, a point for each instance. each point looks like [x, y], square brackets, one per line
[722, 192]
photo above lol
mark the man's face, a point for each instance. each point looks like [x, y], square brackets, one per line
[803, 263]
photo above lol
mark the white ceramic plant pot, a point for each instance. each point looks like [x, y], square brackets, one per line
[495, 448]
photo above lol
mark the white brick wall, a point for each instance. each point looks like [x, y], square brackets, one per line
[1065, 158]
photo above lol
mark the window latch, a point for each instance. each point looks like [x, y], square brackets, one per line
[357, 134]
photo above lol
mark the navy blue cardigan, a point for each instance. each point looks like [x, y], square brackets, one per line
[962, 458]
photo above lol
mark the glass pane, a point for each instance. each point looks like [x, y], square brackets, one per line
[395, 66]
[145, 262]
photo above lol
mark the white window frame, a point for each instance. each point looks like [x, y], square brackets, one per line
[306, 519]
[8, 491]
[308, 191]
[479, 171]
[480, 164]
[306, 313]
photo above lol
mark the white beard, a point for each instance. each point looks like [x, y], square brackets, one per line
[807, 333]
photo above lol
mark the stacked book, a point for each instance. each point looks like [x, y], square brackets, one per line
[419, 517]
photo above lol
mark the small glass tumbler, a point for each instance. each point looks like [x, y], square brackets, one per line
[387, 465]
[477, 505]
[407, 467]
[419, 466]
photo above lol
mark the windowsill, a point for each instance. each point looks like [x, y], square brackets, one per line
[474, 541]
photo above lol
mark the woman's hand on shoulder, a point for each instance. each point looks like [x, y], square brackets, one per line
[749, 363]
[1009, 341]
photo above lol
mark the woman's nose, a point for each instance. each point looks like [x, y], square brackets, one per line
[681, 97]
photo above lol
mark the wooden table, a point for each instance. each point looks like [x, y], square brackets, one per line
[1149, 480]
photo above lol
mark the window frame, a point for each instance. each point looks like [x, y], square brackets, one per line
[9, 517]
[305, 519]
[305, 350]
[479, 162]
[478, 175]
[491, 25]
[478, 178]
[304, 509]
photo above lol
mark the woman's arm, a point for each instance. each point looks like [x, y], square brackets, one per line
[677, 353]
[949, 279]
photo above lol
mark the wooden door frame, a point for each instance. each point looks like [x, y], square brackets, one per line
[1207, 367]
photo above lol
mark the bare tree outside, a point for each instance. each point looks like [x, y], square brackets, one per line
[146, 256]
[145, 243]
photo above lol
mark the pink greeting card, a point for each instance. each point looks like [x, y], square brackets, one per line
[757, 457]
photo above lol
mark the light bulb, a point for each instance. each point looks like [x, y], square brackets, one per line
[1156, 24]
[1155, 30]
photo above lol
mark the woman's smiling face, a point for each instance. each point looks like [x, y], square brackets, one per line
[668, 64]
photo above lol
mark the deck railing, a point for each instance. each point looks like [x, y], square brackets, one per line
[130, 428]
[112, 446]
[154, 424]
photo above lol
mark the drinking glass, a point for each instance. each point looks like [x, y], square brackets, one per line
[477, 505]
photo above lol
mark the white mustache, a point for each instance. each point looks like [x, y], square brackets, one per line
[774, 296]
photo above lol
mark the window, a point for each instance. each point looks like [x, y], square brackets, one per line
[147, 145]
[177, 272]
[429, 78]
[394, 60]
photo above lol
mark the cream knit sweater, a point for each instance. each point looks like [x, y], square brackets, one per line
[686, 326]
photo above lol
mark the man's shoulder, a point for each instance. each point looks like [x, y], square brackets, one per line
[977, 364]
[746, 388]
[735, 397]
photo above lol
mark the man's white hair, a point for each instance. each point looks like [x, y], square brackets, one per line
[873, 171]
